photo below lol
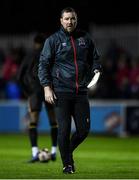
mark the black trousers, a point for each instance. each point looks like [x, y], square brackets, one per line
[70, 105]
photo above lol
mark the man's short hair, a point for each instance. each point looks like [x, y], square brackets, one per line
[67, 9]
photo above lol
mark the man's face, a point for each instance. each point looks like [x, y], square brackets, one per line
[69, 21]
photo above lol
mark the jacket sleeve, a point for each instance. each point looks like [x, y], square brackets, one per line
[45, 63]
[94, 56]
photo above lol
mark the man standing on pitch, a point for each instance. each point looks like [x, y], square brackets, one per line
[67, 64]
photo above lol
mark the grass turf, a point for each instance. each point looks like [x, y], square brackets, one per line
[97, 157]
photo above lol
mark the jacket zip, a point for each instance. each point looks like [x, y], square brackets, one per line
[75, 62]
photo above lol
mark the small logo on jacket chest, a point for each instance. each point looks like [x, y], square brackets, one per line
[81, 41]
[64, 44]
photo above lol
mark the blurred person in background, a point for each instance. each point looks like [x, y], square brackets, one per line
[122, 76]
[29, 82]
[2, 81]
[68, 61]
[134, 78]
[107, 81]
[9, 72]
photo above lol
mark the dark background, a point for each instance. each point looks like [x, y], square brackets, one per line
[24, 16]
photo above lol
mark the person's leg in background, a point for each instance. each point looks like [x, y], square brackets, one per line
[54, 129]
[34, 111]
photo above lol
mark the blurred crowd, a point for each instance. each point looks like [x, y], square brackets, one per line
[9, 64]
[119, 79]
[120, 76]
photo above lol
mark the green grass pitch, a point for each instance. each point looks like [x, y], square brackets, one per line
[97, 157]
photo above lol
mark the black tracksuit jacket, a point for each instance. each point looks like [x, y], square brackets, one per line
[67, 61]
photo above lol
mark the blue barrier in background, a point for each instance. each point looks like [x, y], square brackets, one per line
[107, 119]
[103, 118]
[9, 121]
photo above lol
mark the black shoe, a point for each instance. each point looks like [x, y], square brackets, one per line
[34, 159]
[68, 169]
[72, 162]
[53, 157]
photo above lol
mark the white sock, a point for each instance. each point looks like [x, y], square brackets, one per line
[53, 149]
[35, 150]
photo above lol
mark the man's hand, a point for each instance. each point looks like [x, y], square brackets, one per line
[49, 95]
